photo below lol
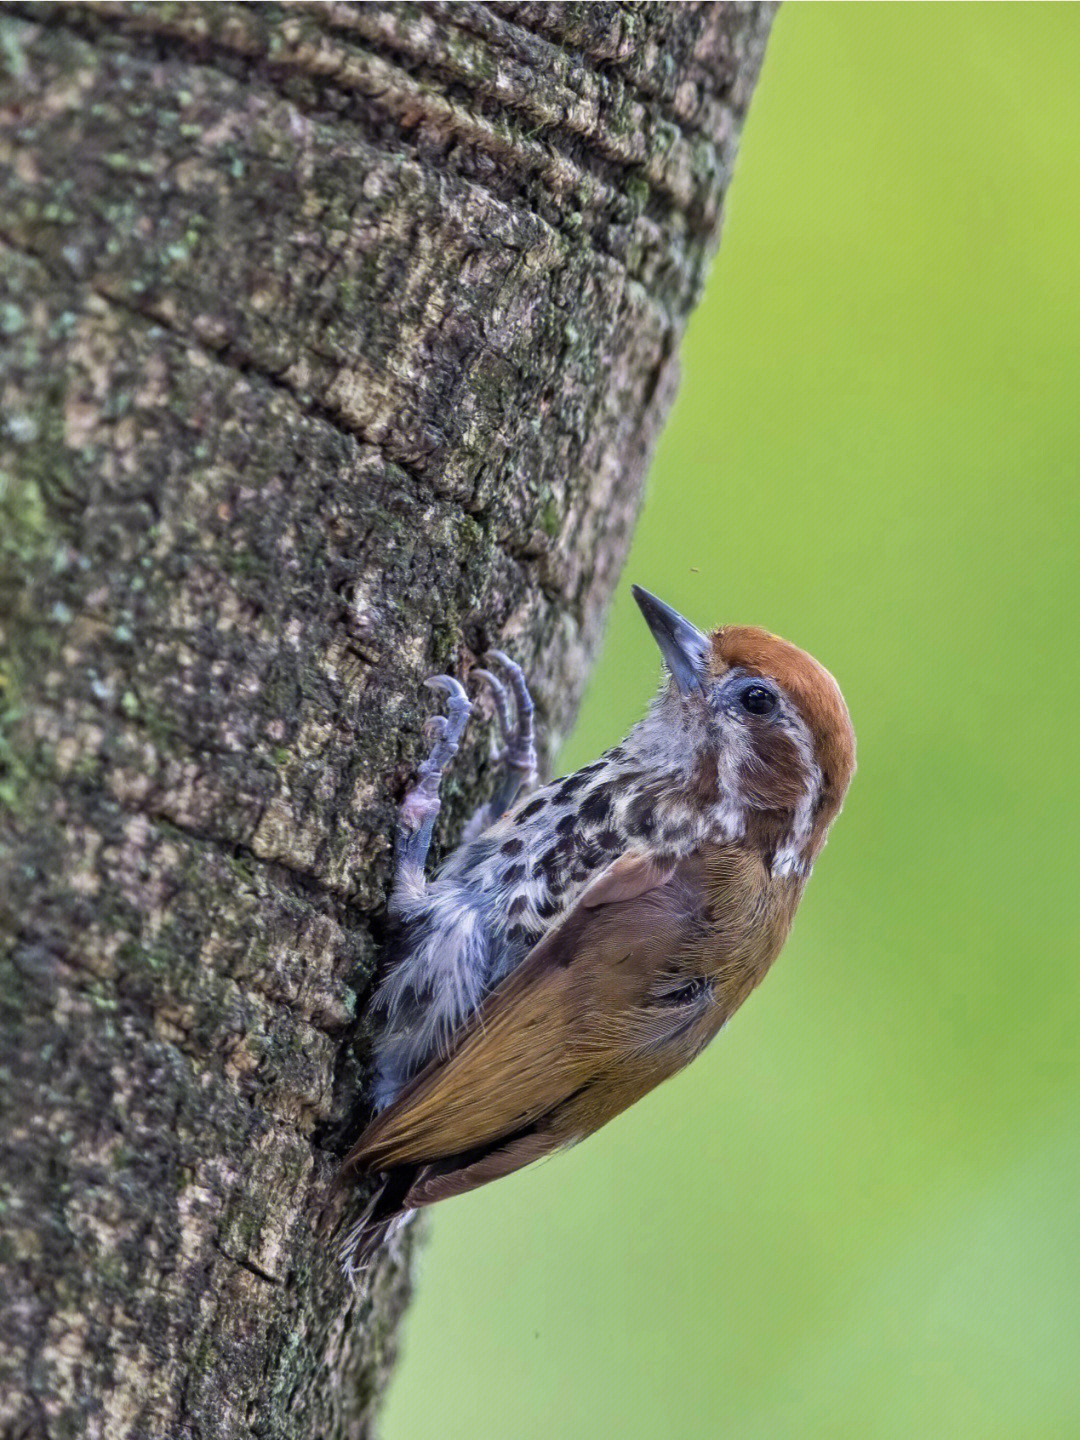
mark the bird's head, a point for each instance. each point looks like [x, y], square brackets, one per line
[767, 728]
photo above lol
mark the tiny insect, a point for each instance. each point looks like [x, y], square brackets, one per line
[586, 941]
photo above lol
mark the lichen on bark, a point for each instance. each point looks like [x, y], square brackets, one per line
[334, 341]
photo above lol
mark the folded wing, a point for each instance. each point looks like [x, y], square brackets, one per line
[615, 998]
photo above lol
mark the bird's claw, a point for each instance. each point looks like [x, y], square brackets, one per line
[453, 688]
[448, 728]
[421, 805]
[500, 699]
[517, 759]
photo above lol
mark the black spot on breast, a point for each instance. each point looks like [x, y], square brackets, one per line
[526, 935]
[566, 825]
[610, 840]
[596, 807]
[533, 808]
[417, 996]
[549, 863]
[512, 874]
[592, 769]
[571, 785]
[517, 905]
[548, 907]
[512, 847]
[639, 818]
[557, 883]
[616, 753]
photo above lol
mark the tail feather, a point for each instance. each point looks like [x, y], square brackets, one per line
[384, 1214]
[363, 1239]
[406, 1188]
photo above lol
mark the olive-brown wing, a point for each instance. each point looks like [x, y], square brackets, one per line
[603, 987]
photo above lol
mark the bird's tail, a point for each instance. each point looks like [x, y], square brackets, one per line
[384, 1214]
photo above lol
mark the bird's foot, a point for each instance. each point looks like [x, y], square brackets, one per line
[421, 805]
[517, 759]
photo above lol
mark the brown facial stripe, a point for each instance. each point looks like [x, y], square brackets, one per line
[776, 779]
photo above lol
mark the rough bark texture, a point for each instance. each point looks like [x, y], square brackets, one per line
[334, 341]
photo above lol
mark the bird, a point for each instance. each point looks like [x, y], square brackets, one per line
[587, 939]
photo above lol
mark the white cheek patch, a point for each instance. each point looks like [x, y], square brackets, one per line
[788, 861]
[735, 753]
[789, 858]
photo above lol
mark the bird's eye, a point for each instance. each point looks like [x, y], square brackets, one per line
[757, 700]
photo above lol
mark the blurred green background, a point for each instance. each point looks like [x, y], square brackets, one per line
[858, 1215]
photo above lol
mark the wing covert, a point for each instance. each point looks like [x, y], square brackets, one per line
[585, 995]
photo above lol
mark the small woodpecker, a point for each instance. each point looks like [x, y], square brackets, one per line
[586, 941]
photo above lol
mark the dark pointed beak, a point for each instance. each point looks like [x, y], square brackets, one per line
[684, 648]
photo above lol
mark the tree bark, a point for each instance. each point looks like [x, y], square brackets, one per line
[334, 341]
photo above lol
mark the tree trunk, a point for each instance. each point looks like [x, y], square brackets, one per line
[335, 341]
